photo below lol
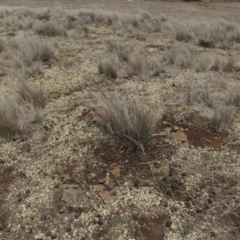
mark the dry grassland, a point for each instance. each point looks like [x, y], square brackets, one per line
[119, 120]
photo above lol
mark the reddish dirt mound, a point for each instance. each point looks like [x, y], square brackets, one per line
[195, 127]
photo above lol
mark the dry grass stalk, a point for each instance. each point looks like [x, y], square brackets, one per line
[130, 121]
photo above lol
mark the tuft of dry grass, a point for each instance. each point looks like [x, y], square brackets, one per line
[108, 70]
[44, 15]
[183, 34]
[130, 121]
[34, 50]
[135, 66]
[9, 116]
[50, 29]
[28, 93]
[198, 95]
[234, 98]
[222, 119]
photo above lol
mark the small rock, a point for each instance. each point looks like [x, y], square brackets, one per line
[60, 210]
[186, 144]
[175, 128]
[176, 84]
[181, 137]
[163, 171]
[66, 178]
[54, 236]
[199, 148]
[164, 122]
[104, 194]
[116, 172]
[191, 146]
[56, 185]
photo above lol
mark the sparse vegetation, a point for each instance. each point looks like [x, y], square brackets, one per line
[99, 148]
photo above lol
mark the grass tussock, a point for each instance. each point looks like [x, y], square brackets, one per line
[188, 58]
[44, 16]
[34, 50]
[183, 34]
[222, 119]
[234, 98]
[29, 94]
[135, 65]
[199, 95]
[50, 29]
[9, 116]
[130, 121]
[108, 70]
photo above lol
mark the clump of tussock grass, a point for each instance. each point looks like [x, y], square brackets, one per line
[50, 29]
[108, 70]
[182, 57]
[45, 15]
[234, 98]
[220, 64]
[156, 67]
[199, 95]
[206, 43]
[222, 119]
[128, 120]
[136, 65]
[123, 52]
[34, 50]
[183, 34]
[186, 57]
[29, 94]
[9, 116]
